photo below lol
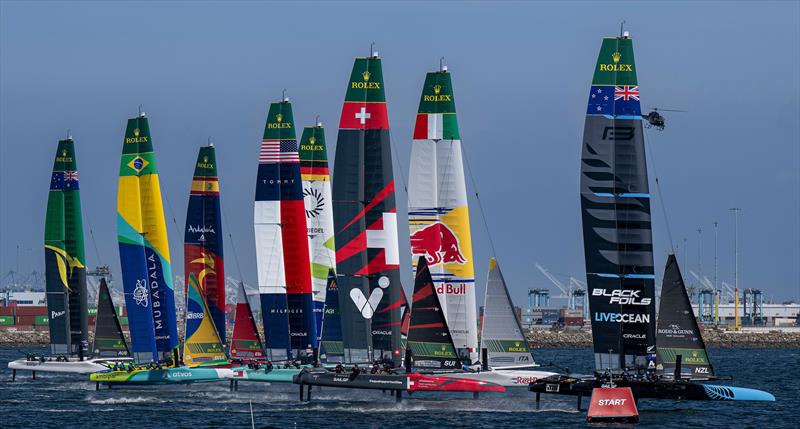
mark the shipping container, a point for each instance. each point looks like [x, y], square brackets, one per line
[7, 311]
[92, 320]
[25, 328]
[7, 320]
[573, 321]
[33, 310]
[41, 328]
[91, 311]
[40, 320]
[25, 320]
[568, 312]
[123, 320]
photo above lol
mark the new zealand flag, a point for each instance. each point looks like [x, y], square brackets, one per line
[614, 100]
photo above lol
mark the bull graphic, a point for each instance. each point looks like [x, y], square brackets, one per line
[438, 244]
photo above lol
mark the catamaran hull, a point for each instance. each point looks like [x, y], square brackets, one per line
[677, 390]
[70, 367]
[143, 377]
[410, 382]
[505, 377]
[284, 375]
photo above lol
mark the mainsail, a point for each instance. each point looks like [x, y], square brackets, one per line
[202, 243]
[438, 216]
[65, 272]
[428, 336]
[319, 214]
[109, 341]
[367, 252]
[284, 271]
[143, 248]
[245, 342]
[203, 345]
[615, 205]
[677, 333]
[331, 348]
[501, 333]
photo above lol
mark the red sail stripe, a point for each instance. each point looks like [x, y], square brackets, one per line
[421, 127]
[380, 196]
[356, 245]
[427, 325]
[422, 293]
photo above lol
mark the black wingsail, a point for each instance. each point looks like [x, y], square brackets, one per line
[615, 206]
[428, 335]
[677, 333]
[109, 341]
[331, 346]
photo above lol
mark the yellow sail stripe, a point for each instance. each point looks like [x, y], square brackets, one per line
[205, 185]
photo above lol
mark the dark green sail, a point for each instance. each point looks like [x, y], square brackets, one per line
[109, 341]
[64, 257]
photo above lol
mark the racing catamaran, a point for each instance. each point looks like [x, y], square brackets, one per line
[284, 269]
[438, 216]
[203, 352]
[65, 276]
[615, 205]
[202, 242]
[365, 220]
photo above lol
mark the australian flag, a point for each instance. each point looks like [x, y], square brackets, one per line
[614, 100]
[64, 180]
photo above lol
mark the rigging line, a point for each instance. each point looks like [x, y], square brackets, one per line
[478, 199]
[233, 246]
[651, 155]
[91, 234]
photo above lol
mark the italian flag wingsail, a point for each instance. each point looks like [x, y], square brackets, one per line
[143, 248]
[203, 345]
[438, 216]
[65, 273]
[615, 207]
[319, 213]
[284, 269]
[365, 220]
[202, 242]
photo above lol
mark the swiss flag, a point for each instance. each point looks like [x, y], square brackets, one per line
[362, 115]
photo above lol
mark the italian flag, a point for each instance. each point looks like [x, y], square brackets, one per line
[436, 126]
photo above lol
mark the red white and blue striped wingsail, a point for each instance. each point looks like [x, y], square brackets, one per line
[281, 241]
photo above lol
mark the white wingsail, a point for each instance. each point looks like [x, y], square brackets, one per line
[438, 213]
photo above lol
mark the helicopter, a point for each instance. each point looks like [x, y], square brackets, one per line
[655, 119]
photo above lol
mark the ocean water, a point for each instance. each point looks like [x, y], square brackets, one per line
[67, 401]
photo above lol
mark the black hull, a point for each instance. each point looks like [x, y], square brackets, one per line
[660, 389]
[349, 380]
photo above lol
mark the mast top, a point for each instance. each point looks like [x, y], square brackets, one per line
[319, 124]
[210, 143]
[442, 66]
[141, 113]
[284, 97]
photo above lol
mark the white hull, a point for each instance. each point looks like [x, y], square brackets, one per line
[73, 366]
[505, 377]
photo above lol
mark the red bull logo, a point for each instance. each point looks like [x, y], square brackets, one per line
[438, 244]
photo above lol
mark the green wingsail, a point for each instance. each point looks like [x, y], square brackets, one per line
[65, 272]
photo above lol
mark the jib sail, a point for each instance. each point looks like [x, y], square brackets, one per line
[438, 216]
[677, 333]
[245, 342]
[109, 341]
[365, 220]
[428, 336]
[501, 333]
[65, 273]
[615, 206]
[202, 243]
[203, 345]
[143, 248]
[331, 348]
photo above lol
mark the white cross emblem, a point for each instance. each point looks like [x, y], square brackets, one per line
[363, 115]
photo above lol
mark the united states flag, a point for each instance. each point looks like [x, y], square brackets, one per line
[273, 151]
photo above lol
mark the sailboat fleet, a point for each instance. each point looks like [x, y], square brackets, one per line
[328, 262]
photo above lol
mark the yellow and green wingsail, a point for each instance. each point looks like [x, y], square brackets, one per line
[64, 257]
[143, 247]
[203, 345]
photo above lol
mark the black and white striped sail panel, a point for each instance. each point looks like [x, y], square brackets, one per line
[615, 206]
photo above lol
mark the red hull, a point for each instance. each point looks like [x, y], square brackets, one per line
[431, 383]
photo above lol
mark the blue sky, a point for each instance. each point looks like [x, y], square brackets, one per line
[521, 73]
